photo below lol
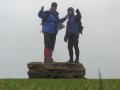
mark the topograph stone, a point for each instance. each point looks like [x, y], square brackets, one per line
[55, 70]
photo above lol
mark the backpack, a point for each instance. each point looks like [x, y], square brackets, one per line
[78, 20]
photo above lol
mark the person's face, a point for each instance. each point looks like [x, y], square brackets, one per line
[70, 12]
[53, 8]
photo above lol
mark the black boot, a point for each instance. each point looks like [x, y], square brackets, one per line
[70, 54]
[77, 54]
[76, 61]
[70, 60]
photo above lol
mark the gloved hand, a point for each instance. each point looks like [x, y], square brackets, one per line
[66, 17]
[77, 11]
[42, 8]
[65, 38]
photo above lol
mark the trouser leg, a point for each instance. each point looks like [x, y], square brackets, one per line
[76, 47]
[70, 47]
[53, 41]
[47, 47]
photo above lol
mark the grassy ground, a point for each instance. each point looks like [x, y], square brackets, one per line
[58, 84]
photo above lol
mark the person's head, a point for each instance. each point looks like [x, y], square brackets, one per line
[53, 6]
[70, 11]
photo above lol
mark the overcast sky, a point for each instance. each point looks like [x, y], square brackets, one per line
[21, 41]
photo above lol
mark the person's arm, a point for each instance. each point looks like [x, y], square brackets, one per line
[78, 16]
[62, 20]
[66, 36]
[41, 13]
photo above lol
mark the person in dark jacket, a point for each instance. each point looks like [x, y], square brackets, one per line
[72, 33]
[50, 20]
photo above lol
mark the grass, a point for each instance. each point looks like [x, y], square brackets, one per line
[59, 84]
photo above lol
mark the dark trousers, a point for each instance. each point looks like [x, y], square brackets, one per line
[49, 40]
[73, 42]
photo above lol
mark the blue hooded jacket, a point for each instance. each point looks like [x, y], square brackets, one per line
[52, 19]
[72, 26]
[74, 23]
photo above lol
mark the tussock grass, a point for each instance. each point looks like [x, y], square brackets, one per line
[59, 84]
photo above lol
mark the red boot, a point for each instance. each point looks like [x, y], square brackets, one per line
[47, 55]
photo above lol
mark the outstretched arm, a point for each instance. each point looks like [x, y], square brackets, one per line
[78, 16]
[63, 19]
[41, 13]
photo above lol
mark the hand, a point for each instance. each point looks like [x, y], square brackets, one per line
[77, 10]
[65, 39]
[42, 8]
[66, 16]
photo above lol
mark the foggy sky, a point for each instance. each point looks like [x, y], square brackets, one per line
[21, 41]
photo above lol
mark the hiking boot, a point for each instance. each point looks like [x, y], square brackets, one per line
[48, 60]
[48, 56]
[70, 61]
[76, 61]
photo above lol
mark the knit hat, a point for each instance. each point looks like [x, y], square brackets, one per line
[70, 8]
[54, 4]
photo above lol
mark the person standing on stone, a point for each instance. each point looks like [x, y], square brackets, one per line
[50, 20]
[74, 28]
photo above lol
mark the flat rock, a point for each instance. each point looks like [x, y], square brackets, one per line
[55, 70]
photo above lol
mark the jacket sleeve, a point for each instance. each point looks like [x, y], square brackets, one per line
[62, 20]
[41, 14]
[78, 16]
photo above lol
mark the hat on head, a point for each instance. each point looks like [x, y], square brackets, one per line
[71, 9]
[54, 4]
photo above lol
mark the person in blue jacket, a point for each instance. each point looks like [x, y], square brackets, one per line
[50, 20]
[74, 28]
